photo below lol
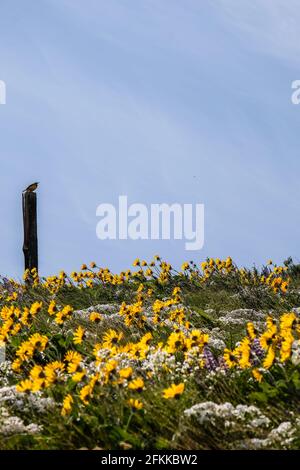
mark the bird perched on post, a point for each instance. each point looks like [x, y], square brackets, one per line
[31, 188]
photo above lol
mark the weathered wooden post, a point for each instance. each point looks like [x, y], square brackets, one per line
[30, 246]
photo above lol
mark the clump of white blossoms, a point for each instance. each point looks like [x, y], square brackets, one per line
[105, 309]
[281, 437]
[210, 412]
[11, 425]
[241, 317]
[23, 402]
[296, 353]
[6, 373]
[217, 344]
[158, 359]
[241, 427]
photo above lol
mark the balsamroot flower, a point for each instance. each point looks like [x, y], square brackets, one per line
[174, 391]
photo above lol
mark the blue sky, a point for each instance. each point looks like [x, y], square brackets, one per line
[164, 101]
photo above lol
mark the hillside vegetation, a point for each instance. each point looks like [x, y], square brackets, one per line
[202, 358]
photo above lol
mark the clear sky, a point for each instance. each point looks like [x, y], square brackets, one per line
[162, 100]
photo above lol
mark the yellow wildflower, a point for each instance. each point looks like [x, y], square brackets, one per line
[52, 308]
[78, 335]
[52, 371]
[257, 375]
[286, 344]
[230, 358]
[174, 391]
[284, 287]
[37, 372]
[36, 307]
[251, 330]
[37, 385]
[111, 338]
[78, 376]
[85, 392]
[287, 321]
[67, 405]
[38, 341]
[269, 359]
[137, 385]
[95, 317]
[73, 358]
[16, 365]
[25, 351]
[24, 386]
[126, 372]
[135, 404]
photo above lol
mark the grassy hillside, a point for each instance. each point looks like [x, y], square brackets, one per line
[204, 358]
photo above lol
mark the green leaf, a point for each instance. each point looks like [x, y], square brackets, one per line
[258, 396]
[296, 379]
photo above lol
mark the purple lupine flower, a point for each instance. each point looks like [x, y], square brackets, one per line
[257, 352]
[210, 362]
[221, 363]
